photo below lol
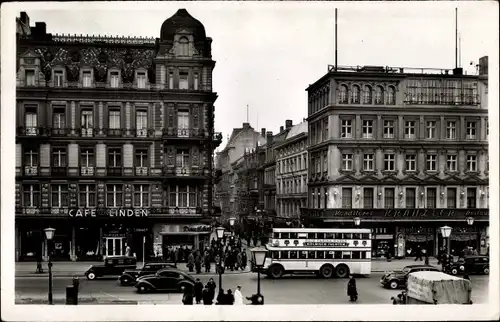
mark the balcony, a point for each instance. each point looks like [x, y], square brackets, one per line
[142, 133]
[87, 171]
[87, 132]
[114, 132]
[30, 170]
[59, 171]
[58, 132]
[184, 133]
[141, 171]
[185, 172]
[32, 131]
[115, 171]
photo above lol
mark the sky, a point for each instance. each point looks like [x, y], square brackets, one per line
[267, 53]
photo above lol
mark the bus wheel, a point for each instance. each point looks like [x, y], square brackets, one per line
[326, 271]
[276, 271]
[342, 271]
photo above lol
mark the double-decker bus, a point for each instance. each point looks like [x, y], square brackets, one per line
[326, 252]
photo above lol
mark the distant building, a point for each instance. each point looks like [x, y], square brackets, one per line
[405, 151]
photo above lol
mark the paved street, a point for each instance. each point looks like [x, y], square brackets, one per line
[288, 290]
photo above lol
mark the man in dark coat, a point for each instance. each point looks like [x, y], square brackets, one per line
[352, 291]
[206, 260]
[187, 298]
[221, 297]
[229, 297]
[243, 259]
[198, 290]
[190, 262]
[197, 262]
[39, 261]
[207, 296]
[418, 254]
[211, 287]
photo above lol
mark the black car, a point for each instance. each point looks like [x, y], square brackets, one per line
[169, 279]
[469, 264]
[129, 276]
[398, 279]
[111, 266]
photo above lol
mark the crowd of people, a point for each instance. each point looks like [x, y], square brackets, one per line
[206, 295]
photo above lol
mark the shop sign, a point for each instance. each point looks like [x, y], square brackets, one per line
[422, 213]
[325, 243]
[319, 243]
[110, 212]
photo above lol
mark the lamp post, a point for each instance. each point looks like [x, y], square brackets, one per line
[49, 234]
[259, 256]
[470, 222]
[231, 224]
[446, 232]
[220, 233]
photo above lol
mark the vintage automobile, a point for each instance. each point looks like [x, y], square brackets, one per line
[129, 276]
[398, 279]
[112, 266]
[475, 264]
[165, 280]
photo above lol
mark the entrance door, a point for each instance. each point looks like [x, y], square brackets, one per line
[115, 246]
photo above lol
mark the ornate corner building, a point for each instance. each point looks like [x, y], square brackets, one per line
[115, 140]
[406, 151]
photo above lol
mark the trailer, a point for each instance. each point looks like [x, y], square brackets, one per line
[429, 287]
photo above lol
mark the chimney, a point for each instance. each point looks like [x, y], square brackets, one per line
[246, 125]
[458, 71]
[41, 28]
[269, 137]
[288, 124]
[483, 66]
[24, 18]
[281, 129]
[263, 132]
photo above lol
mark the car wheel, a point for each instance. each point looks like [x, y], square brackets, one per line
[326, 271]
[142, 289]
[125, 281]
[393, 285]
[342, 271]
[454, 271]
[91, 276]
[486, 270]
[277, 271]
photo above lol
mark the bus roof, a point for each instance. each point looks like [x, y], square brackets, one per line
[321, 230]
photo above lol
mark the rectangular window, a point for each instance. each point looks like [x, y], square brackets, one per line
[451, 130]
[389, 198]
[141, 120]
[431, 198]
[367, 197]
[410, 198]
[114, 195]
[183, 80]
[30, 158]
[389, 162]
[59, 193]
[141, 195]
[59, 118]
[346, 198]
[368, 162]
[196, 79]
[471, 130]
[171, 80]
[58, 78]
[141, 80]
[451, 198]
[59, 157]
[87, 157]
[347, 162]
[431, 162]
[87, 119]
[30, 117]
[114, 157]
[367, 129]
[182, 158]
[141, 158]
[114, 119]
[451, 162]
[31, 195]
[471, 197]
[388, 129]
[183, 123]
[346, 129]
[87, 195]
[411, 162]
[87, 78]
[471, 163]
[30, 77]
[114, 80]
[409, 129]
[325, 129]
[431, 130]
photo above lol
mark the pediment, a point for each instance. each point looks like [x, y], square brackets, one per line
[370, 178]
[391, 179]
[473, 178]
[347, 178]
[30, 53]
[412, 178]
[433, 179]
[452, 178]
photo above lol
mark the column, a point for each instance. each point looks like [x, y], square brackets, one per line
[442, 129]
[73, 116]
[379, 161]
[358, 160]
[127, 118]
[73, 245]
[421, 162]
[379, 127]
[357, 128]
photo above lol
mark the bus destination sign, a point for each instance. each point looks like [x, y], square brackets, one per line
[320, 243]
[316, 243]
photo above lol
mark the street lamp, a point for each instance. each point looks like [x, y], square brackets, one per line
[357, 221]
[470, 221]
[220, 233]
[259, 256]
[446, 232]
[49, 234]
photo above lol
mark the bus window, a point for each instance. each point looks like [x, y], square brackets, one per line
[276, 254]
[356, 236]
[293, 254]
[338, 254]
[321, 235]
[329, 254]
[284, 254]
[363, 255]
[303, 254]
[269, 254]
[338, 236]
[311, 254]
[320, 254]
[276, 235]
[285, 235]
[356, 254]
[365, 236]
[293, 235]
[311, 235]
[347, 235]
[329, 236]
[346, 255]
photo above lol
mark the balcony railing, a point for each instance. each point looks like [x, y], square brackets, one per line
[87, 132]
[30, 170]
[59, 171]
[184, 133]
[141, 171]
[142, 133]
[58, 132]
[87, 171]
[32, 131]
[115, 171]
[114, 132]
[184, 171]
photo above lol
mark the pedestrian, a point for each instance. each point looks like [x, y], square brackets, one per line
[243, 259]
[418, 254]
[207, 296]
[229, 297]
[198, 290]
[39, 260]
[211, 287]
[352, 291]
[238, 296]
[238, 261]
[187, 298]
[440, 255]
[221, 297]
[190, 263]
[197, 262]
[206, 260]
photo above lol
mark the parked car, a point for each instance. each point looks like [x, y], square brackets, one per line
[111, 266]
[169, 279]
[398, 279]
[475, 264]
[129, 276]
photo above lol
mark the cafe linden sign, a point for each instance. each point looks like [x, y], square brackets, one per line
[110, 212]
[421, 213]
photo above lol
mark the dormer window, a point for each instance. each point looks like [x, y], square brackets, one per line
[58, 78]
[86, 78]
[183, 47]
[141, 80]
[183, 80]
[30, 78]
[114, 79]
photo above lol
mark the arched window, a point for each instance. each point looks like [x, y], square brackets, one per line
[355, 94]
[183, 47]
[343, 94]
[379, 95]
[367, 95]
[391, 95]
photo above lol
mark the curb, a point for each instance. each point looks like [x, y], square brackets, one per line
[70, 274]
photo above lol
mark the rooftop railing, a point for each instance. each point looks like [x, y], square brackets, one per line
[88, 39]
[393, 70]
